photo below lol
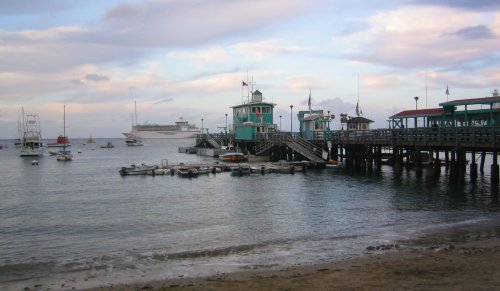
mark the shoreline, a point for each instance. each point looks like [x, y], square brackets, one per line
[462, 258]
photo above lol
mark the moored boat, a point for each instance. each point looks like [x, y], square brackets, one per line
[64, 155]
[241, 169]
[187, 172]
[133, 141]
[143, 169]
[233, 157]
[108, 145]
[62, 141]
[32, 138]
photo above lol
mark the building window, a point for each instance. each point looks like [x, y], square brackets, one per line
[266, 110]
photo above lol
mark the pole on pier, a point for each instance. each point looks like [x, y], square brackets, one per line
[473, 167]
[481, 165]
[494, 168]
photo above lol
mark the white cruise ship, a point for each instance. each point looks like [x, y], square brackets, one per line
[181, 129]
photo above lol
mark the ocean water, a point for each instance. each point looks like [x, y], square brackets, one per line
[79, 224]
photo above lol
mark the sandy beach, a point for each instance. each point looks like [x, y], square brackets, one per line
[470, 265]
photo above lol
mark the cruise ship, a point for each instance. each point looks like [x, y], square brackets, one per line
[181, 129]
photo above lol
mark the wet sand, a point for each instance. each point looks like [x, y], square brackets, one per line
[471, 265]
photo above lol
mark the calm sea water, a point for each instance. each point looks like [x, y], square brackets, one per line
[80, 224]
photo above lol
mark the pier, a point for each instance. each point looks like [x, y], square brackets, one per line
[455, 135]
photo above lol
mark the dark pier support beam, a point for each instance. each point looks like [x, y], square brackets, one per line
[334, 152]
[378, 159]
[473, 167]
[453, 167]
[369, 158]
[397, 154]
[436, 164]
[461, 163]
[481, 166]
[494, 168]
[447, 158]
[417, 162]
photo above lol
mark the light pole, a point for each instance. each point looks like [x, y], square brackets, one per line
[202, 126]
[280, 122]
[291, 119]
[226, 124]
[416, 108]
[329, 119]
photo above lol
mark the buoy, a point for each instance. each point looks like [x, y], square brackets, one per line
[34, 163]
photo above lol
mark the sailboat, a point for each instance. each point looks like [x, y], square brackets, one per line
[64, 155]
[133, 140]
[32, 137]
[18, 142]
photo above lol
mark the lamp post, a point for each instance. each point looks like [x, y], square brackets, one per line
[416, 108]
[280, 122]
[291, 119]
[202, 126]
[329, 119]
[226, 124]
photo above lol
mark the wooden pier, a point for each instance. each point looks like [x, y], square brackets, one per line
[363, 149]
[367, 150]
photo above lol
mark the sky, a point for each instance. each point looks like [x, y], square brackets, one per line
[188, 58]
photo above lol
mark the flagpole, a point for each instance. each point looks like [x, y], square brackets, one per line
[426, 88]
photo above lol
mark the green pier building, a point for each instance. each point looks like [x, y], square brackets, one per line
[253, 121]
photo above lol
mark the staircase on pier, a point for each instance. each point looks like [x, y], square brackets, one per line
[307, 149]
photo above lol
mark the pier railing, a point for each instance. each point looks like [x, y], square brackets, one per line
[468, 137]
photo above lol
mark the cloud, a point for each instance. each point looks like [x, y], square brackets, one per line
[23, 7]
[482, 5]
[267, 47]
[422, 36]
[188, 22]
[216, 53]
[96, 77]
[473, 33]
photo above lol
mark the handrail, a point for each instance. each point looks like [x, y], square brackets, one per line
[485, 137]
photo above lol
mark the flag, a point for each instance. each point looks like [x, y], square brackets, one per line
[309, 101]
[244, 84]
[257, 113]
[447, 91]
[357, 108]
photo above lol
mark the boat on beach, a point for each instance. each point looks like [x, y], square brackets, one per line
[32, 137]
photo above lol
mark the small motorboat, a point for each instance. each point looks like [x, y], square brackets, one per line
[185, 172]
[108, 145]
[133, 141]
[233, 157]
[143, 169]
[241, 169]
[64, 155]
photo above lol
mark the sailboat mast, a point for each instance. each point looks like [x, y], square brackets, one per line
[135, 110]
[64, 120]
